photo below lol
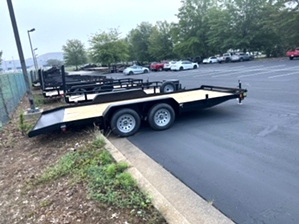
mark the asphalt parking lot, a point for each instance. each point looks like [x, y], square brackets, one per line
[242, 158]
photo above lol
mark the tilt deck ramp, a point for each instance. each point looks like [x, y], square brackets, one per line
[122, 112]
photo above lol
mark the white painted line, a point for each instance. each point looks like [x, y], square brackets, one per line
[241, 76]
[269, 71]
[201, 75]
[229, 74]
[276, 76]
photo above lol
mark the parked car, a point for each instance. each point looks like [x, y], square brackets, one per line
[209, 60]
[294, 53]
[135, 69]
[197, 59]
[240, 56]
[157, 66]
[87, 66]
[226, 57]
[183, 65]
[167, 65]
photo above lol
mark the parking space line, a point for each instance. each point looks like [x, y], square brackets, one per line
[265, 72]
[259, 73]
[288, 74]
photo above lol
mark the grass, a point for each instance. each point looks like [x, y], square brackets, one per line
[106, 181]
[24, 126]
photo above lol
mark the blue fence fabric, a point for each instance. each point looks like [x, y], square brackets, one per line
[12, 90]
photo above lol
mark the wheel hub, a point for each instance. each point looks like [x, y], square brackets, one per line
[169, 88]
[126, 123]
[162, 117]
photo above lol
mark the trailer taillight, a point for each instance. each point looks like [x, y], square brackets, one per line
[63, 128]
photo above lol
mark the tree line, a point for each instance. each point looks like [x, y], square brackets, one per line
[204, 28]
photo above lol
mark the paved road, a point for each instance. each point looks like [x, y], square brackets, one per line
[243, 158]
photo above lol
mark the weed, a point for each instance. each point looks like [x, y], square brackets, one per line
[125, 180]
[107, 181]
[111, 170]
[105, 158]
[44, 203]
[38, 100]
[29, 214]
[24, 126]
[9, 141]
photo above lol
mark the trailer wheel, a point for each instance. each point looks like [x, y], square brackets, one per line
[167, 87]
[125, 122]
[161, 116]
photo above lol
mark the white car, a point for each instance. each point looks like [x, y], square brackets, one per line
[210, 60]
[183, 65]
[167, 65]
[135, 69]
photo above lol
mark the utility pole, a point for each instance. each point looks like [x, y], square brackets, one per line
[21, 56]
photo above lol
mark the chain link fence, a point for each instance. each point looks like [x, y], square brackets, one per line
[12, 89]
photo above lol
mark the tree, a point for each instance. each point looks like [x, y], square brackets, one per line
[191, 32]
[108, 47]
[160, 42]
[74, 53]
[54, 62]
[283, 21]
[0, 57]
[220, 37]
[138, 40]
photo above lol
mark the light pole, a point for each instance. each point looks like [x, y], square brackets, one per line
[32, 51]
[35, 56]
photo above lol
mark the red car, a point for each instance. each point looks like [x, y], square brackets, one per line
[293, 53]
[157, 66]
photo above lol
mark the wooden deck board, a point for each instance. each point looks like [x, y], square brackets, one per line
[97, 110]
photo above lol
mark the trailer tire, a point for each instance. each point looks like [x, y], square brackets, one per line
[125, 122]
[167, 87]
[161, 116]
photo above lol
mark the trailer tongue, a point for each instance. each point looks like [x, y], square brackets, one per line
[122, 111]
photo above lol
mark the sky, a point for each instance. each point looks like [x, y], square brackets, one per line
[56, 21]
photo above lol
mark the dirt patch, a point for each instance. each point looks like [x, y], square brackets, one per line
[22, 159]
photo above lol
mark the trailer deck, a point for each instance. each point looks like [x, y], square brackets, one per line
[104, 106]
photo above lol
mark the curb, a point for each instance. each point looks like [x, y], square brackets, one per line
[174, 200]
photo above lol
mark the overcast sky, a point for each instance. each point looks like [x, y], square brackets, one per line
[56, 21]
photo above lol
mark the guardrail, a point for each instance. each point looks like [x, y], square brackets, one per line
[12, 89]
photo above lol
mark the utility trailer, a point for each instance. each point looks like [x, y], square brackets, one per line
[87, 92]
[52, 81]
[83, 88]
[122, 111]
